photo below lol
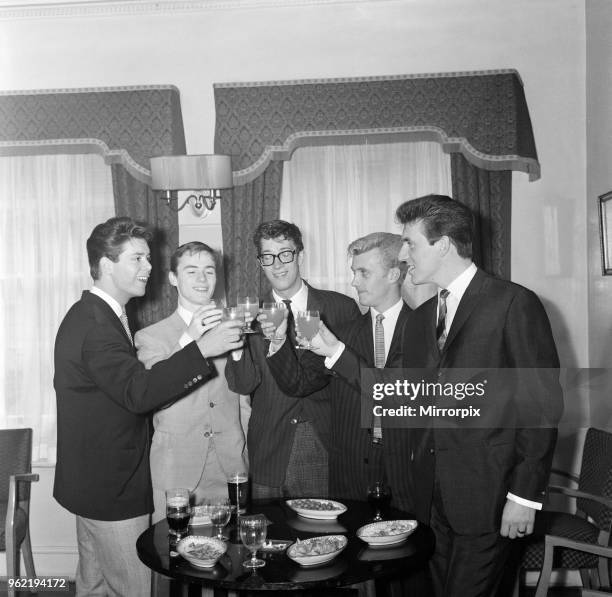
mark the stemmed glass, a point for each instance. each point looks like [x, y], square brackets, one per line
[307, 324]
[379, 498]
[253, 532]
[249, 306]
[231, 314]
[219, 510]
[275, 313]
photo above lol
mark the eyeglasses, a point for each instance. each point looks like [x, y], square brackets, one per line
[267, 259]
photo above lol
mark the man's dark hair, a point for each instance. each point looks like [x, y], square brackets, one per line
[278, 229]
[441, 216]
[107, 240]
[191, 248]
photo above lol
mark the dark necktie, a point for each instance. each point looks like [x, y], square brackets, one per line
[441, 326]
[379, 363]
[290, 322]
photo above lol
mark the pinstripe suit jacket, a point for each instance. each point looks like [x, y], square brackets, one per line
[350, 442]
[274, 413]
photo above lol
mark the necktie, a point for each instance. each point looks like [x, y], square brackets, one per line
[441, 326]
[290, 322]
[126, 326]
[379, 362]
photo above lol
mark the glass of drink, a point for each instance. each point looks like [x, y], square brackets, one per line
[379, 498]
[177, 511]
[231, 314]
[253, 532]
[307, 325]
[238, 490]
[275, 314]
[250, 308]
[219, 510]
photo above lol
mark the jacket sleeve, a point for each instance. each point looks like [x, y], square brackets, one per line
[243, 376]
[113, 367]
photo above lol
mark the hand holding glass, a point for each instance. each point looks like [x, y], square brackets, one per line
[253, 532]
[275, 314]
[177, 511]
[219, 510]
[307, 326]
[250, 307]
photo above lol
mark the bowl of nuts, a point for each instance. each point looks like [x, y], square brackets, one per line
[317, 550]
[318, 509]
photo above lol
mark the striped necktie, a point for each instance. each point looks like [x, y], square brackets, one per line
[441, 325]
[379, 363]
[290, 322]
[126, 326]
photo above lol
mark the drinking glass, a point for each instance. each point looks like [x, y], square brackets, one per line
[177, 511]
[307, 325]
[250, 308]
[219, 510]
[253, 532]
[379, 498]
[231, 314]
[275, 314]
[238, 490]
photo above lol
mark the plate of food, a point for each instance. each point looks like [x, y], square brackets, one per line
[317, 550]
[386, 532]
[201, 551]
[317, 509]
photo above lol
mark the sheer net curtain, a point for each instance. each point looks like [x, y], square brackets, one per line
[48, 207]
[336, 194]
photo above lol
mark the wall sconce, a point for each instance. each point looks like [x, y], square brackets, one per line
[204, 174]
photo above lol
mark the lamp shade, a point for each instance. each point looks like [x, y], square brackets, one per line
[191, 172]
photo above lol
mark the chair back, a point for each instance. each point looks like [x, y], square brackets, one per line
[596, 475]
[15, 457]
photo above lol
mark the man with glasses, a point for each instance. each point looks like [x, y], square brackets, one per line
[288, 436]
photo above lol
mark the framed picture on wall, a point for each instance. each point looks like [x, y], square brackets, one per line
[605, 231]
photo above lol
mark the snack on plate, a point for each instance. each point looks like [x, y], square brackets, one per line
[309, 504]
[394, 527]
[318, 546]
[203, 551]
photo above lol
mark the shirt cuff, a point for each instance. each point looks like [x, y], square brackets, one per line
[275, 347]
[331, 361]
[523, 501]
[185, 339]
[237, 354]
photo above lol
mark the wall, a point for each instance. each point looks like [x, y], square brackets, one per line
[543, 39]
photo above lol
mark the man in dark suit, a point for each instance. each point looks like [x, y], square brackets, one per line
[288, 436]
[480, 487]
[104, 397]
[358, 455]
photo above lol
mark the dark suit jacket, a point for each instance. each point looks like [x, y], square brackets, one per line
[350, 442]
[275, 413]
[104, 394]
[498, 324]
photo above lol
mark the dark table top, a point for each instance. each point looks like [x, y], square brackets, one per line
[357, 563]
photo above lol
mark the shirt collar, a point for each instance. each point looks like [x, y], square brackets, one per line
[185, 314]
[459, 285]
[299, 300]
[108, 299]
[393, 311]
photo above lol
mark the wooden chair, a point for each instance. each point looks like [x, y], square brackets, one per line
[15, 479]
[590, 525]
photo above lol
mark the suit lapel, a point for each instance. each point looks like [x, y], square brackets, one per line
[108, 312]
[395, 350]
[469, 300]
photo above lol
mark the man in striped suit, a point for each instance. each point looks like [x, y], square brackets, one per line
[358, 456]
[288, 436]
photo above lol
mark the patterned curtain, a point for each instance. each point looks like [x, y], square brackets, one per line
[241, 211]
[479, 117]
[126, 125]
[489, 195]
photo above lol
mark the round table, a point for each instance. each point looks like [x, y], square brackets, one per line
[357, 563]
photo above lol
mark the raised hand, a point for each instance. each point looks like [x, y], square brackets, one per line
[222, 338]
[203, 320]
[324, 343]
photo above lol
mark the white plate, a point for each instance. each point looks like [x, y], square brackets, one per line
[306, 507]
[386, 532]
[215, 546]
[316, 559]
